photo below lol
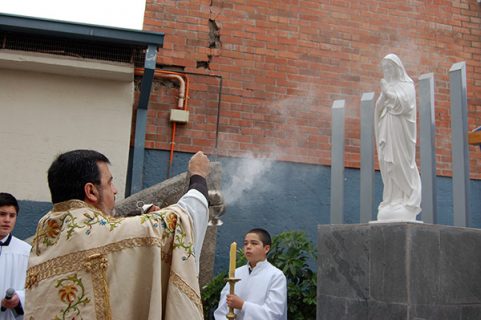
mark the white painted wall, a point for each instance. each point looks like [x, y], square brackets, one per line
[64, 104]
[113, 13]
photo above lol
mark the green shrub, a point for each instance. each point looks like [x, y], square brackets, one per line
[291, 252]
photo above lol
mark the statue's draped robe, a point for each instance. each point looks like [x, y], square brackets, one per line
[395, 119]
[87, 265]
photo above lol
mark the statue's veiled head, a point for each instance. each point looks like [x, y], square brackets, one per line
[393, 69]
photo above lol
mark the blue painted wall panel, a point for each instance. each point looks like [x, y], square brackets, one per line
[30, 213]
[292, 196]
[289, 196]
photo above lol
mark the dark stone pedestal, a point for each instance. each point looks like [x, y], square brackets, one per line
[393, 271]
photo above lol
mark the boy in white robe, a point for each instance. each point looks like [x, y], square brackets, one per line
[261, 293]
[13, 260]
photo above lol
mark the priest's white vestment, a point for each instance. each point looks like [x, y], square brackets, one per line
[87, 265]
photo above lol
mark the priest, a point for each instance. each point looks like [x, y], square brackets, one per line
[87, 264]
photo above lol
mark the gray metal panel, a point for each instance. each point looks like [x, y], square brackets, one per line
[367, 158]
[459, 144]
[428, 149]
[72, 30]
[149, 69]
[141, 120]
[337, 162]
[138, 156]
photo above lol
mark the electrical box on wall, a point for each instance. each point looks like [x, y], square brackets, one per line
[177, 115]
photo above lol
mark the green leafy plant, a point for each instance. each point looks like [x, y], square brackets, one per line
[291, 252]
[211, 292]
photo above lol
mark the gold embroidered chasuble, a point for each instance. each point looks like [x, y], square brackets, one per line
[87, 265]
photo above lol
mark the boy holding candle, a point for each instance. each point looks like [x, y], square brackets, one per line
[261, 293]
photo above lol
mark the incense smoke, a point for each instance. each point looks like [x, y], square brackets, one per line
[252, 172]
[245, 174]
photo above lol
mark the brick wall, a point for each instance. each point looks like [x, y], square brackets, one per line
[284, 62]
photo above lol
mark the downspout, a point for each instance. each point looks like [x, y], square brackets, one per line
[181, 103]
[136, 182]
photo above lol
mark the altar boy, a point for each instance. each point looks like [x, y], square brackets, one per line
[13, 261]
[261, 293]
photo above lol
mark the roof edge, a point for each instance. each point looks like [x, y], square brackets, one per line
[65, 29]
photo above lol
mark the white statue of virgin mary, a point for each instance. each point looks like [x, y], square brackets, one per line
[395, 128]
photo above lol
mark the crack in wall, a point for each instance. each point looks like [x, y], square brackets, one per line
[214, 43]
[214, 34]
[205, 63]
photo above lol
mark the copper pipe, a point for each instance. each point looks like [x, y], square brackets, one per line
[182, 101]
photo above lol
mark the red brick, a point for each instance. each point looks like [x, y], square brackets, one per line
[275, 55]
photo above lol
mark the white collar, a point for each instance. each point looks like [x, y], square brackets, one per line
[259, 265]
[5, 239]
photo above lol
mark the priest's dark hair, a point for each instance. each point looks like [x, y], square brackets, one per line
[6, 199]
[264, 236]
[70, 171]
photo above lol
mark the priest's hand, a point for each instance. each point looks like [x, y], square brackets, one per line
[153, 208]
[11, 303]
[234, 301]
[199, 164]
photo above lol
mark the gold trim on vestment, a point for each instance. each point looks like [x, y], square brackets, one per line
[70, 262]
[187, 290]
[96, 265]
[72, 204]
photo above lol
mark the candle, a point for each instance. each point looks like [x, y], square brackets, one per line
[232, 256]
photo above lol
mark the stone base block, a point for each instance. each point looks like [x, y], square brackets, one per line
[405, 271]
